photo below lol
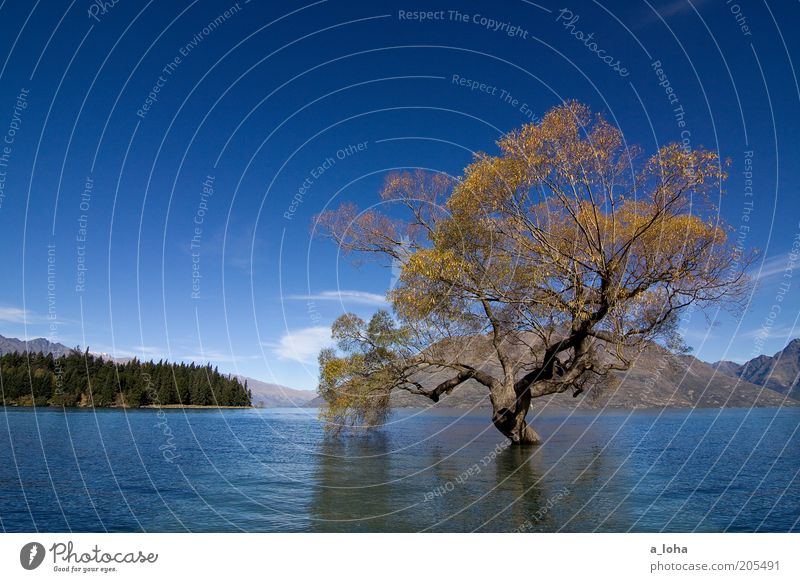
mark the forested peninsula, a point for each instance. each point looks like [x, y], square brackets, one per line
[82, 379]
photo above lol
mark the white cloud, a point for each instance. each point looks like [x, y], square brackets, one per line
[216, 356]
[121, 352]
[149, 350]
[177, 353]
[352, 297]
[17, 315]
[785, 332]
[678, 7]
[303, 345]
[772, 267]
[670, 10]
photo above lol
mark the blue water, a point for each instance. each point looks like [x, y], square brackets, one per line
[274, 470]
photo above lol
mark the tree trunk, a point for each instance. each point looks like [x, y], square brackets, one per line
[509, 410]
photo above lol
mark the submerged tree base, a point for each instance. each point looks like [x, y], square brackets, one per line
[527, 437]
[514, 426]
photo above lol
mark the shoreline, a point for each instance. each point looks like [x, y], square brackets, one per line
[445, 411]
[179, 406]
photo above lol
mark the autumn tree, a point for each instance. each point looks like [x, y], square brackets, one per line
[542, 269]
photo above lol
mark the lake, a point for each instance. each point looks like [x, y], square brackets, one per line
[275, 470]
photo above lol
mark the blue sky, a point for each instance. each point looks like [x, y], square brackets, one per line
[154, 142]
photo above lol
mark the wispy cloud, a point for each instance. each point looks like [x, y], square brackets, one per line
[352, 297]
[141, 352]
[786, 332]
[149, 350]
[217, 356]
[670, 10]
[678, 7]
[303, 345]
[186, 354]
[243, 248]
[772, 267]
[17, 315]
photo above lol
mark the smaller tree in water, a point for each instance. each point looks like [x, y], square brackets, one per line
[541, 270]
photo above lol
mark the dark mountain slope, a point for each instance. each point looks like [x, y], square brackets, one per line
[40, 344]
[658, 379]
[780, 372]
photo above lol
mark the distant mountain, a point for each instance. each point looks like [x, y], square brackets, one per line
[45, 346]
[780, 372]
[266, 395]
[12, 344]
[727, 367]
[661, 379]
[658, 379]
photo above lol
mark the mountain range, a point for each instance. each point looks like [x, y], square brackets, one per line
[40, 344]
[267, 395]
[657, 379]
[779, 372]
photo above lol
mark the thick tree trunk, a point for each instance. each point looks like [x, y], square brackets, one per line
[509, 410]
[513, 425]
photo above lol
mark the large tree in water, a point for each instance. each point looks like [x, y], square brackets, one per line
[563, 256]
